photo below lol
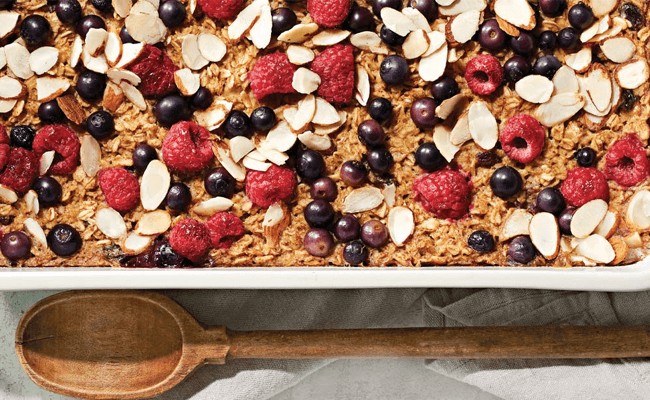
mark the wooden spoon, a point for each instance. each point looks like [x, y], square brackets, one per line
[137, 344]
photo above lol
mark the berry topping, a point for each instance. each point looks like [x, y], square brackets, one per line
[283, 19]
[35, 30]
[380, 109]
[172, 109]
[64, 142]
[377, 5]
[143, 154]
[506, 182]
[324, 189]
[521, 250]
[360, 19]
[347, 228]
[219, 183]
[444, 88]
[423, 113]
[274, 185]
[310, 164]
[178, 196]
[172, 13]
[22, 136]
[428, 157]
[564, 220]
[328, 13]
[483, 74]
[319, 214]
[353, 173]
[221, 9]
[21, 168]
[481, 241]
[187, 147]
[89, 22]
[263, 118]
[68, 11]
[202, 99]
[49, 191]
[225, 229]
[272, 73]
[627, 162]
[552, 8]
[394, 70]
[428, 8]
[190, 238]
[586, 157]
[445, 193]
[318, 242]
[100, 124]
[568, 38]
[490, 36]
[547, 66]
[516, 68]
[102, 5]
[156, 71]
[380, 160]
[355, 252]
[238, 124]
[547, 40]
[632, 13]
[374, 234]
[371, 133]
[524, 44]
[551, 200]
[581, 16]
[390, 38]
[91, 85]
[121, 188]
[335, 66]
[583, 185]
[15, 245]
[64, 240]
[523, 138]
[50, 112]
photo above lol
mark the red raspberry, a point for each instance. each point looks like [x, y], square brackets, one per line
[221, 9]
[445, 193]
[64, 142]
[272, 73]
[627, 162]
[328, 13]
[156, 70]
[583, 185]
[523, 138]
[272, 186]
[190, 238]
[187, 147]
[121, 189]
[20, 170]
[4, 138]
[335, 66]
[483, 74]
[4, 147]
[225, 229]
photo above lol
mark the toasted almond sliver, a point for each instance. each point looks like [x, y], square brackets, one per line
[565, 81]
[482, 125]
[146, 28]
[587, 217]
[517, 223]
[34, 229]
[90, 155]
[187, 82]
[43, 59]
[596, 248]
[119, 75]
[130, 53]
[396, 21]
[298, 34]
[325, 114]
[122, 7]
[419, 20]
[559, 108]
[451, 105]
[368, 41]
[305, 81]
[213, 205]
[362, 89]
[400, 224]
[235, 170]
[579, 61]
[45, 162]
[517, 12]
[280, 137]
[153, 223]
[305, 113]
[441, 139]
[460, 6]
[535, 88]
[8, 22]
[599, 87]
[18, 60]
[110, 223]
[48, 88]
[10, 88]
[260, 33]
[432, 67]
[315, 142]
[113, 49]
[618, 49]
[637, 215]
[7, 195]
[632, 74]
[31, 200]
[545, 234]
[192, 56]
[460, 134]
[240, 146]
[465, 25]
[299, 55]
[135, 244]
[97, 64]
[416, 44]
[95, 41]
[7, 105]
[330, 37]
[362, 199]
[211, 47]
[134, 95]
[245, 20]
[154, 185]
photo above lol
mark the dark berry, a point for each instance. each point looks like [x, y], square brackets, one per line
[324, 189]
[380, 109]
[64, 240]
[102, 5]
[547, 40]
[238, 124]
[374, 233]
[347, 228]
[319, 214]
[568, 38]
[521, 250]
[428, 8]
[490, 36]
[628, 99]
[125, 37]
[632, 13]
[486, 159]
[586, 157]
[394, 70]
[100, 124]
[22, 136]
[219, 183]
[6, 4]
[202, 99]
[89, 22]
[263, 118]
[318, 242]
[310, 164]
[355, 252]
[49, 191]
[172, 13]
[552, 8]
[165, 257]
[551, 200]
[377, 5]
[380, 160]
[444, 88]
[390, 38]
[360, 19]
[564, 220]
[91, 85]
[581, 16]
[506, 182]
[35, 30]
[481, 241]
[371, 133]
[524, 44]
[353, 173]
[142, 156]
[50, 112]
[283, 19]
[171, 109]
[178, 196]
[516, 68]
[423, 113]
[15, 245]
[428, 157]
[547, 66]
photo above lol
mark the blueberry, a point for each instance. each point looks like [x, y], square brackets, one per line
[506, 182]
[581, 16]
[377, 5]
[143, 154]
[355, 252]
[547, 40]
[318, 242]
[516, 68]
[428, 8]
[524, 44]
[551, 200]
[481, 241]
[64, 240]
[380, 160]
[353, 173]
[423, 113]
[91, 85]
[100, 124]
[202, 99]
[380, 109]
[628, 99]
[371, 133]
[310, 165]
[319, 214]
[283, 19]
[178, 196]
[165, 257]
[428, 157]
[394, 70]
[49, 191]
[263, 118]
[347, 228]
[35, 30]
[324, 189]
[490, 36]
[15, 245]
[22, 136]
[89, 22]
[360, 19]
[586, 157]
[444, 88]
[172, 13]
[521, 250]
[391, 38]
[238, 124]
[632, 13]
[219, 183]
[50, 112]
[125, 37]
[564, 220]
[171, 109]
[547, 66]
[568, 38]
[374, 233]
[102, 5]
[552, 8]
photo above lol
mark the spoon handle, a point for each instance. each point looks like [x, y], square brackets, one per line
[548, 341]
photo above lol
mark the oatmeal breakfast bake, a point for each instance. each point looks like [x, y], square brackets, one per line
[225, 133]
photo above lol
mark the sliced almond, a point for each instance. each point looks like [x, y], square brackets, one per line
[119, 75]
[633, 240]
[330, 37]
[298, 33]
[608, 225]
[325, 114]
[451, 106]
[463, 26]
[113, 97]
[212, 117]
[154, 185]
[7, 105]
[432, 67]
[255, 165]
[90, 155]
[632, 74]
[276, 157]
[638, 210]
[122, 7]
[460, 6]
[436, 41]
[517, 224]
[305, 81]
[273, 216]
[260, 33]
[240, 146]
[589, 106]
[192, 57]
[130, 53]
[110, 223]
[18, 60]
[135, 244]
[11, 88]
[276, 220]
[315, 142]
[559, 108]
[445, 3]
[593, 122]
[7, 195]
[299, 55]
[545, 234]
[565, 81]
[43, 59]
[186, 81]
[146, 28]
[113, 49]
[482, 125]
[257, 155]
[134, 95]
[517, 12]
[618, 49]
[304, 114]
[362, 88]
[280, 137]
[535, 88]
[3, 59]
[416, 44]
[71, 108]
[34, 230]
[75, 52]
[45, 162]
[580, 61]
[368, 41]
[400, 224]
[441, 139]
[8, 22]
[31, 200]
[211, 47]
[389, 194]
[153, 223]
[618, 24]
[144, 7]
[419, 20]
[587, 217]
[596, 248]
[454, 55]
[460, 134]
[507, 27]
[95, 41]
[590, 32]
[602, 7]
[97, 64]
[599, 87]
[235, 170]
[396, 21]
[362, 199]
[211, 206]
[245, 20]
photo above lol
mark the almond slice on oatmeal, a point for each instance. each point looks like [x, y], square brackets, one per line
[134, 95]
[331, 128]
[8, 22]
[113, 97]
[275, 156]
[18, 60]
[7, 105]
[330, 37]
[146, 28]
[11, 88]
[599, 87]
[632, 74]
[637, 215]
[565, 81]
[280, 137]
[45, 162]
[559, 108]
[75, 52]
[34, 230]
[416, 44]
[304, 114]
[31, 201]
[608, 225]
[255, 165]
[419, 20]
[192, 56]
[433, 66]
[460, 134]
[396, 21]
[445, 3]
[325, 114]
[97, 64]
[315, 142]
[545, 234]
[245, 20]
[507, 27]
[368, 41]
[389, 194]
[71, 108]
[43, 59]
[535, 88]
[580, 61]
[260, 32]
[593, 122]
[400, 224]
[517, 12]
[602, 7]
[482, 125]
[362, 87]
[3, 59]
[462, 27]
[130, 53]
[95, 41]
[211, 47]
[362, 199]
[110, 223]
[214, 116]
[633, 240]
[135, 244]
[90, 155]
[618, 49]
[436, 41]
[213, 205]
[119, 75]
[48, 88]
[154, 185]
[451, 105]
[590, 32]
[460, 6]
[7, 195]
[299, 55]
[618, 25]
[441, 139]
[235, 170]
[587, 217]
[305, 81]
[153, 223]
[298, 33]
[517, 223]
[144, 7]
[589, 105]
[122, 7]
[186, 81]
[596, 248]
[113, 49]
[240, 146]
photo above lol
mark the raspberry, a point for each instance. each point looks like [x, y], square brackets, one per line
[121, 189]
[328, 13]
[4, 147]
[445, 193]
[64, 142]
[483, 74]
[187, 147]
[225, 229]
[335, 66]
[156, 71]
[627, 162]
[272, 73]
[221, 9]
[523, 138]
[272, 186]
[20, 170]
[190, 238]
[4, 138]
[583, 185]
